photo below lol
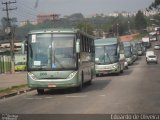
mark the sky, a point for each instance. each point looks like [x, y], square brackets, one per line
[26, 8]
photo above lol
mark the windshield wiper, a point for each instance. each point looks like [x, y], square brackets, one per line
[58, 62]
[31, 50]
[109, 57]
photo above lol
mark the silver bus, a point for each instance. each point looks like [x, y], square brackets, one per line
[135, 50]
[109, 56]
[59, 58]
[128, 50]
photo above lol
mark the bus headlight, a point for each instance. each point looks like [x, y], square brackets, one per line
[32, 76]
[72, 75]
[115, 66]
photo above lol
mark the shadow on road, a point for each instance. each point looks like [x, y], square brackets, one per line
[127, 72]
[96, 85]
[135, 63]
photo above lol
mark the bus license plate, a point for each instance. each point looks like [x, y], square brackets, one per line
[51, 85]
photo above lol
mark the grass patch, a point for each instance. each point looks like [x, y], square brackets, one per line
[12, 89]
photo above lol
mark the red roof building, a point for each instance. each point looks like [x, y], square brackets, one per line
[50, 17]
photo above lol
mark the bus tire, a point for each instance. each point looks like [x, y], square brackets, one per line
[40, 91]
[90, 81]
[80, 87]
[126, 67]
[121, 70]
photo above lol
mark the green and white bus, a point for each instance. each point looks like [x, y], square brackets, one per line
[109, 56]
[128, 50]
[59, 58]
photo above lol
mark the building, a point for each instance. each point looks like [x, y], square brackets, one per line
[129, 14]
[23, 23]
[51, 17]
[5, 46]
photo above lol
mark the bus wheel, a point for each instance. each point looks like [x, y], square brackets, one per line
[40, 91]
[79, 88]
[121, 71]
[90, 81]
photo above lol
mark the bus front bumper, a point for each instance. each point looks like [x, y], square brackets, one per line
[107, 69]
[140, 52]
[129, 61]
[53, 83]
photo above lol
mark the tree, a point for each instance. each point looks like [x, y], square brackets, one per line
[140, 21]
[76, 17]
[86, 27]
[4, 23]
[155, 5]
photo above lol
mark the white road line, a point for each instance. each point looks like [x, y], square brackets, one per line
[102, 95]
[71, 96]
[33, 98]
[49, 97]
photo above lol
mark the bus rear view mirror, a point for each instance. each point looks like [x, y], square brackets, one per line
[122, 57]
[78, 46]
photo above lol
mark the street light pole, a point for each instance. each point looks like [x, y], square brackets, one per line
[10, 32]
[117, 29]
[129, 30]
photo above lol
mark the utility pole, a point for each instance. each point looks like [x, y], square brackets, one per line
[10, 31]
[117, 29]
[129, 28]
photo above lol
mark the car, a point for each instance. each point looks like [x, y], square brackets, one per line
[151, 59]
[149, 52]
[157, 46]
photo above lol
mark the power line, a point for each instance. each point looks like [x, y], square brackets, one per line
[10, 31]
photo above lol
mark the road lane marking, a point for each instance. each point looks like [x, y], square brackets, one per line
[33, 98]
[102, 95]
[49, 97]
[76, 96]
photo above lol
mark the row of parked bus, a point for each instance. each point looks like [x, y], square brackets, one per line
[64, 58]
[113, 55]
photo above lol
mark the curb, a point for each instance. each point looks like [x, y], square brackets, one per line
[16, 93]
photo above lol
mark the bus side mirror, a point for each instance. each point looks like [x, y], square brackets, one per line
[78, 46]
[132, 50]
[121, 57]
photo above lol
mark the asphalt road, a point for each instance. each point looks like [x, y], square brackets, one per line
[137, 90]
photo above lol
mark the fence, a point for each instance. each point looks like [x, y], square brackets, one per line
[5, 64]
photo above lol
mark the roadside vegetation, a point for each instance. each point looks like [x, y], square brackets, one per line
[13, 89]
[98, 23]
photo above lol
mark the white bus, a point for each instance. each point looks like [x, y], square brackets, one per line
[109, 56]
[128, 50]
[59, 58]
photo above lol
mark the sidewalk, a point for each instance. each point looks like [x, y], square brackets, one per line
[9, 80]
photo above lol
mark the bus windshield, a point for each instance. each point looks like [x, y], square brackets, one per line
[139, 47]
[146, 44]
[48, 51]
[106, 54]
[127, 51]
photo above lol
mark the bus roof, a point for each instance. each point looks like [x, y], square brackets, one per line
[127, 44]
[106, 41]
[58, 30]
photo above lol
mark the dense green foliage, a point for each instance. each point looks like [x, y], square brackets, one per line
[140, 21]
[155, 5]
[116, 25]
[97, 23]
